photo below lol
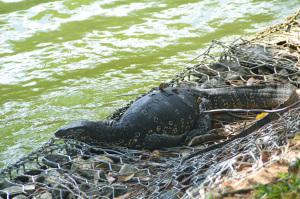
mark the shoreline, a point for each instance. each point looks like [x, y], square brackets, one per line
[57, 157]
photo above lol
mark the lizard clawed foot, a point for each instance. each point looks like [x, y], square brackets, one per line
[193, 133]
[213, 135]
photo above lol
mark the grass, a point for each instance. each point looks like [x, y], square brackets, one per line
[287, 186]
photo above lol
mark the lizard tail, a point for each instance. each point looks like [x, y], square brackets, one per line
[251, 97]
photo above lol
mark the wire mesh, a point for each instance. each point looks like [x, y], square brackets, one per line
[72, 169]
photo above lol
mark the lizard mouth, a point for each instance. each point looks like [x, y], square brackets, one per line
[70, 133]
[78, 130]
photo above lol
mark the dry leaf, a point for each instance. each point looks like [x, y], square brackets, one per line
[102, 165]
[261, 115]
[126, 195]
[110, 178]
[265, 156]
[251, 81]
[102, 158]
[144, 178]
[125, 178]
[128, 169]
[155, 154]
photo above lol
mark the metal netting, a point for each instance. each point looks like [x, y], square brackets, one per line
[253, 151]
[72, 169]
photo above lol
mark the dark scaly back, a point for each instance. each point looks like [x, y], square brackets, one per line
[248, 97]
[170, 111]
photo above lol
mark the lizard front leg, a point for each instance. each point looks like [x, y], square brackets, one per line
[204, 122]
[210, 136]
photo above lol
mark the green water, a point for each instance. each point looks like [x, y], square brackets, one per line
[62, 61]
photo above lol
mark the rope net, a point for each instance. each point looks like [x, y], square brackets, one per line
[72, 169]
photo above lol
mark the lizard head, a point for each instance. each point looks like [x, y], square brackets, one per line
[86, 131]
[81, 130]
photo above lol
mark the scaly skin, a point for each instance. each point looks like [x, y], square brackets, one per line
[290, 102]
[171, 116]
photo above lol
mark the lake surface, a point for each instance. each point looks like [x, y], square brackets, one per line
[67, 60]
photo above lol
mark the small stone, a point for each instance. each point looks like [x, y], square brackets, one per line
[21, 196]
[116, 167]
[120, 190]
[34, 172]
[29, 188]
[40, 178]
[114, 158]
[89, 190]
[283, 72]
[101, 158]
[21, 179]
[81, 164]
[232, 76]
[264, 71]
[106, 192]
[84, 187]
[44, 195]
[14, 190]
[71, 196]
[57, 161]
[212, 83]
[127, 168]
[5, 184]
[59, 192]
[87, 174]
[51, 177]
[170, 194]
[294, 167]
